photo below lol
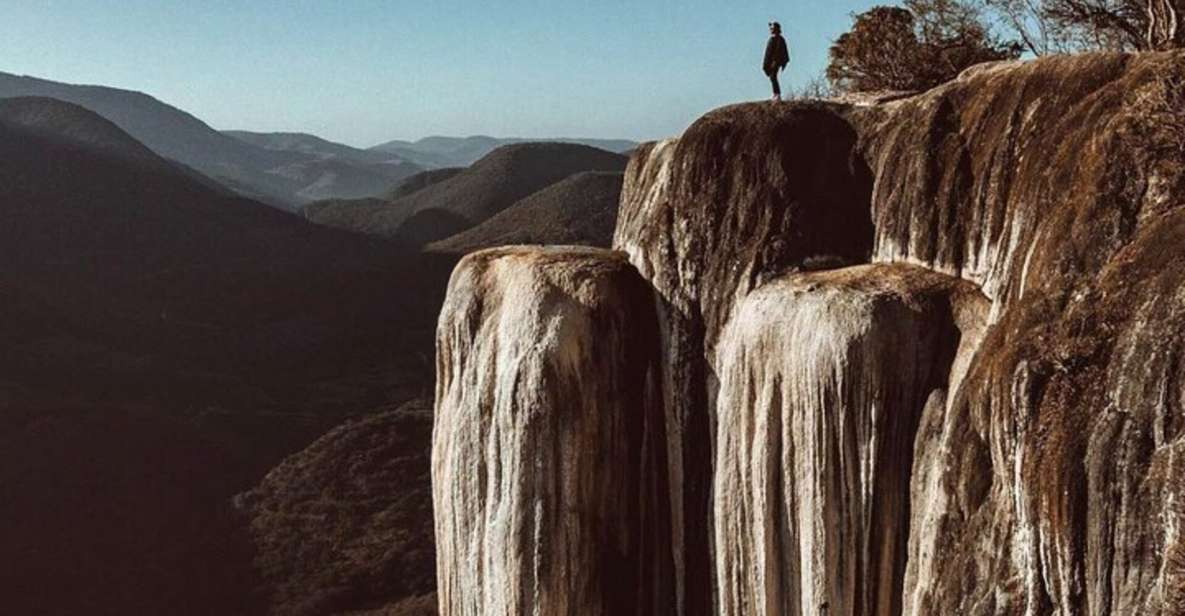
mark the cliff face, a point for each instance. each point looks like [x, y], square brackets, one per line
[547, 461]
[1040, 182]
[919, 356]
[823, 379]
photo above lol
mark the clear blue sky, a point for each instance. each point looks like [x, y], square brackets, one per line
[367, 71]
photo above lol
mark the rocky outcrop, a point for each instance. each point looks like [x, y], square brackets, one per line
[548, 443]
[1037, 193]
[746, 192]
[918, 355]
[823, 380]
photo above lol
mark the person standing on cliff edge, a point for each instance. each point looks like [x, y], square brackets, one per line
[777, 56]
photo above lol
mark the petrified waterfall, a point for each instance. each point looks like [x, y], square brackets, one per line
[547, 464]
[909, 356]
[823, 380]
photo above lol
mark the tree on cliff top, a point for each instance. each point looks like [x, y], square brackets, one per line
[913, 48]
[1056, 26]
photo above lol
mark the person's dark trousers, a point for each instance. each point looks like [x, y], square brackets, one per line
[773, 79]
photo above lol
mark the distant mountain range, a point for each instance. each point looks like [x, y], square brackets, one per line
[458, 202]
[435, 152]
[281, 169]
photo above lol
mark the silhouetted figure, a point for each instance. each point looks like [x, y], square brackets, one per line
[777, 56]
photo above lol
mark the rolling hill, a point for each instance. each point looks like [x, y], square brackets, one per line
[446, 208]
[163, 345]
[312, 145]
[464, 151]
[420, 181]
[346, 523]
[580, 210]
[329, 170]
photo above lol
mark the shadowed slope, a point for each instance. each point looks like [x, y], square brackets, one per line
[346, 523]
[213, 335]
[472, 196]
[579, 210]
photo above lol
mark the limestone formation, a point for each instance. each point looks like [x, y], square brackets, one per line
[919, 355]
[824, 377]
[548, 460]
[745, 193]
[1026, 179]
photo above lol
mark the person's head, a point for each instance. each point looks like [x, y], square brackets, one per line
[775, 27]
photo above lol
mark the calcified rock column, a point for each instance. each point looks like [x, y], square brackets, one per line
[823, 379]
[745, 193]
[548, 465]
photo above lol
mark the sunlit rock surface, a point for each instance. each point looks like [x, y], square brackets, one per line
[548, 458]
[1045, 182]
[823, 380]
[745, 193]
[918, 355]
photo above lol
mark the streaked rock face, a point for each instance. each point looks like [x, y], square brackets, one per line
[823, 381]
[745, 193]
[1166, 24]
[916, 356]
[548, 457]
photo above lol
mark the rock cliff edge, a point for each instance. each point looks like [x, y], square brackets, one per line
[919, 356]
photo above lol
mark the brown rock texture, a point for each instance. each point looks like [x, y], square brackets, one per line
[1035, 456]
[744, 194]
[1039, 182]
[912, 355]
[1166, 24]
[547, 461]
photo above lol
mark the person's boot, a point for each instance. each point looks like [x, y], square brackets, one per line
[777, 98]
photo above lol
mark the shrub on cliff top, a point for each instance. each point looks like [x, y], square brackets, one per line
[913, 48]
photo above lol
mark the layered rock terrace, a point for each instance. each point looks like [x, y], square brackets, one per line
[918, 356]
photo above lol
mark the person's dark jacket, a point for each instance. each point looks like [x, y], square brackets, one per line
[777, 55]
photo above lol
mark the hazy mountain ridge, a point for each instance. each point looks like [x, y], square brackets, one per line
[445, 208]
[69, 123]
[306, 143]
[420, 181]
[279, 176]
[438, 151]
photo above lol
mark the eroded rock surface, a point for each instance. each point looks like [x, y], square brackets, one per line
[548, 456]
[927, 348]
[823, 380]
[745, 193]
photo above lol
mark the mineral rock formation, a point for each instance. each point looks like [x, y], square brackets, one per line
[548, 461]
[745, 192]
[1027, 493]
[927, 350]
[824, 377]
[1030, 180]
